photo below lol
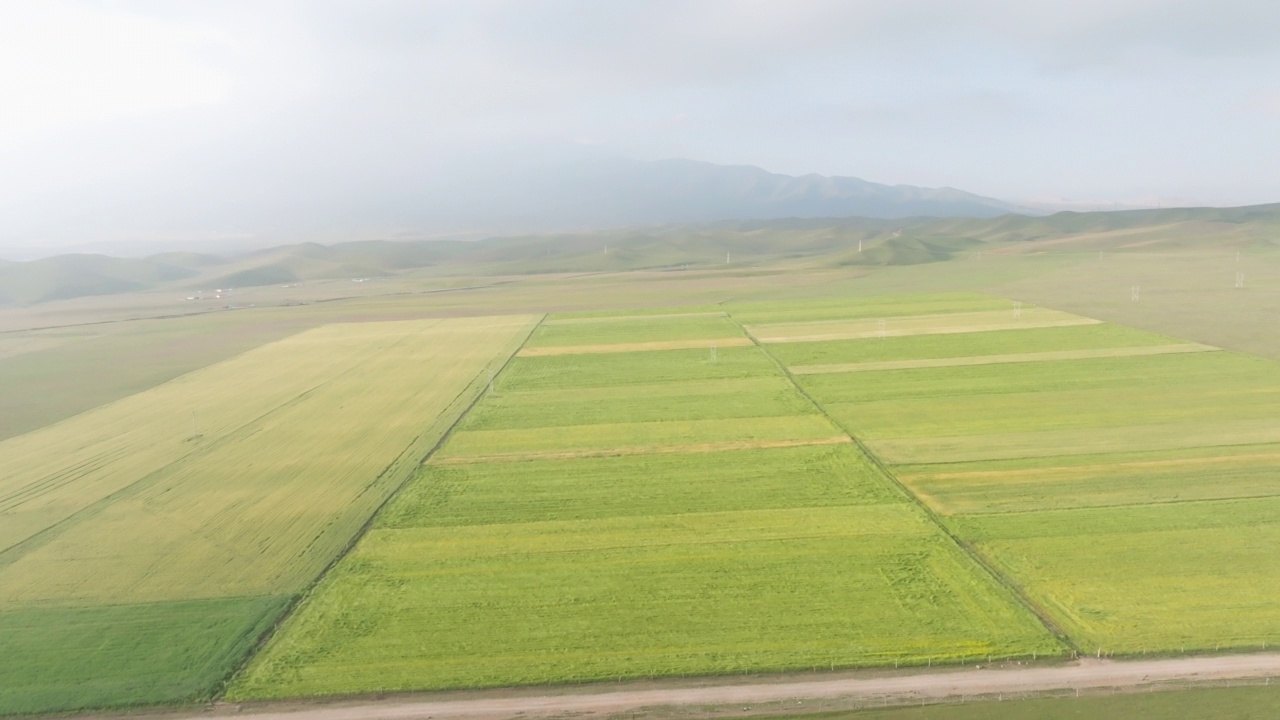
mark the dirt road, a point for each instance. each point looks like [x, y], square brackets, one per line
[789, 695]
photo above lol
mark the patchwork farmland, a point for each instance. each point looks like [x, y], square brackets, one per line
[754, 486]
[145, 546]
[1123, 481]
[619, 511]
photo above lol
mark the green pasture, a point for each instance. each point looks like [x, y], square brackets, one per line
[656, 434]
[1207, 473]
[633, 597]
[1154, 578]
[852, 307]
[1089, 441]
[1049, 410]
[68, 659]
[969, 344]
[634, 368]
[634, 330]
[674, 401]
[593, 488]
[1199, 372]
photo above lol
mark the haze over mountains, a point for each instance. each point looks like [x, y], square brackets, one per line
[473, 196]
[744, 243]
[611, 192]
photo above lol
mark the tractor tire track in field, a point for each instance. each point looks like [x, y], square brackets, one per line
[775, 695]
[296, 601]
[969, 551]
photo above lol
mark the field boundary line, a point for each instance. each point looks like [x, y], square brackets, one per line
[956, 330]
[633, 347]
[480, 386]
[968, 550]
[727, 446]
[1049, 355]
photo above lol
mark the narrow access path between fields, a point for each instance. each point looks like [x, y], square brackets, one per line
[785, 695]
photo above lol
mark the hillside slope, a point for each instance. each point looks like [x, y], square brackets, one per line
[824, 241]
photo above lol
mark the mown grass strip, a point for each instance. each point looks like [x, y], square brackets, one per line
[1000, 359]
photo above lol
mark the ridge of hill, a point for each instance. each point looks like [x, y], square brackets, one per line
[831, 241]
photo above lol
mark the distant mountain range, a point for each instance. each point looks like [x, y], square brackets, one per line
[498, 194]
[828, 241]
[614, 192]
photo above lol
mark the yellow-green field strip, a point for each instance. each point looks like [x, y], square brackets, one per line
[997, 359]
[933, 330]
[709, 447]
[633, 347]
[628, 318]
[147, 545]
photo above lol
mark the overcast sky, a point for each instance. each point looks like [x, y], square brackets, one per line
[116, 117]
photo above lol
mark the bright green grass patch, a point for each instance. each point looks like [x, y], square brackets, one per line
[982, 488]
[495, 443]
[627, 315]
[1208, 370]
[1233, 703]
[1092, 441]
[607, 332]
[708, 593]
[61, 660]
[996, 342]
[591, 488]
[1193, 575]
[636, 368]
[696, 400]
[850, 308]
[1055, 410]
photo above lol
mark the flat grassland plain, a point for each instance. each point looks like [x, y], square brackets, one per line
[146, 545]
[621, 508]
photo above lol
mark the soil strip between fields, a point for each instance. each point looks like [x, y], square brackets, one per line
[634, 347]
[999, 359]
[782, 695]
[643, 450]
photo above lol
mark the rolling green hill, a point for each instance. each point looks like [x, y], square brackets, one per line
[818, 241]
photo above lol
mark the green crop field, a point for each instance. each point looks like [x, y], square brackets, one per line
[623, 330]
[233, 486]
[1125, 494]
[685, 474]
[547, 542]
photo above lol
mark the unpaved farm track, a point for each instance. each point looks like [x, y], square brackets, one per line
[783, 694]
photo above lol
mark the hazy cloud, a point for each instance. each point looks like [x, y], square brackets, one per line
[192, 119]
